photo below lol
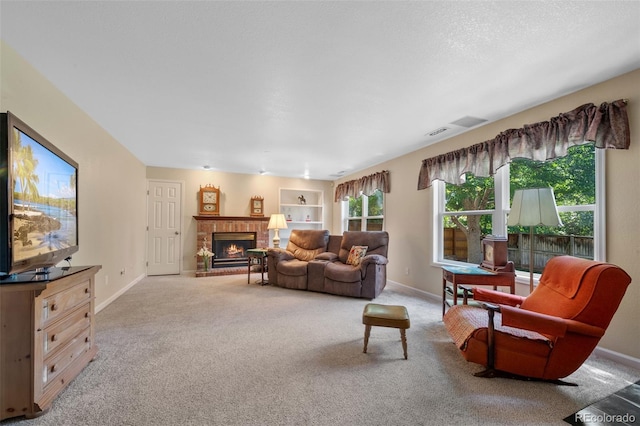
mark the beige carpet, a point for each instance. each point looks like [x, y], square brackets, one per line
[177, 350]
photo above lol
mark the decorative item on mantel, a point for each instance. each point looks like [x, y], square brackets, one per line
[302, 200]
[257, 206]
[205, 254]
[209, 200]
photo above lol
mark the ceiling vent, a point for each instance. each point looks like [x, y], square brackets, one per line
[437, 131]
[468, 121]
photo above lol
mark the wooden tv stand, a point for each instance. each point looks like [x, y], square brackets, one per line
[46, 337]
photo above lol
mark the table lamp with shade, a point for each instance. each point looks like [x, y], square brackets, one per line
[277, 222]
[533, 207]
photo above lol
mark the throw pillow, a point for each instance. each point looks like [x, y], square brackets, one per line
[356, 254]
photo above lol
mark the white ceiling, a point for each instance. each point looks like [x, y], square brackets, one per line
[312, 88]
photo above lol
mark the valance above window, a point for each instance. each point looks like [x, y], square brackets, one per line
[366, 185]
[607, 126]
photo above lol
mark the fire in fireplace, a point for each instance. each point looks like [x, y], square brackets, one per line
[231, 247]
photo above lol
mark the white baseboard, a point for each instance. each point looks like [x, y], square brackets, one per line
[118, 294]
[417, 292]
[618, 357]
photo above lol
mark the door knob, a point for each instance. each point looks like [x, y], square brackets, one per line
[177, 233]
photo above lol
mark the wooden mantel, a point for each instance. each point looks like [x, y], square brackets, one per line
[207, 225]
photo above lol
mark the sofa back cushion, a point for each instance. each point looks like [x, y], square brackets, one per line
[377, 242]
[334, 243]
[305, 244]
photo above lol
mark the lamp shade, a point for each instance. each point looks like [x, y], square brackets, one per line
[277, 221]
[533, 207]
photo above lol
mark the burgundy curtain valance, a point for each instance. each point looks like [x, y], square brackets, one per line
[366, 185]
[607, 126]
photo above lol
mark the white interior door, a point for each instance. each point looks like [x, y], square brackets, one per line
[164, 226]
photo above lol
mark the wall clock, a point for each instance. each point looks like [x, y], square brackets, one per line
[257, 206]
[209, 200]
[494, 252]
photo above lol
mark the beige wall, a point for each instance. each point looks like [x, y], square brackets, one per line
[408, 212]
[236, 190]
[112, 187]
[113, 204]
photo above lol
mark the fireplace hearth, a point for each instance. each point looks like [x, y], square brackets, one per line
[230, 248]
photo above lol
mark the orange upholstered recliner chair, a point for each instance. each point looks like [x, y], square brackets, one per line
[550, 333]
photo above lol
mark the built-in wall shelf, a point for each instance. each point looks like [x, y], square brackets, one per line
[302, 208]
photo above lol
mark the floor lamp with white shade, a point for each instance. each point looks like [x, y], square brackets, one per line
[533, 207]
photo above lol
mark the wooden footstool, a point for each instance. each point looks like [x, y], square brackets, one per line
[386, 316]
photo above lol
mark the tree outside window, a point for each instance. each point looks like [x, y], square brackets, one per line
[478, 208]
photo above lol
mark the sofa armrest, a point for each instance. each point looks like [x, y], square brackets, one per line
[376, 259]
[279, 254]
[373, 260]
[546, 324]
[328, 256]
[493, 296]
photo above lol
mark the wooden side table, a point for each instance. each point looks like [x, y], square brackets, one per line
[505, 277]
[257, 256]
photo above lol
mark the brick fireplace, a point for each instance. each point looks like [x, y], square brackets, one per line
[207, 225]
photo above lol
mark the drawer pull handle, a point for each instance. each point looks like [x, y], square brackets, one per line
[54, 307]
[86, 315]
[86, 290]
[54, 337]
[54, 367]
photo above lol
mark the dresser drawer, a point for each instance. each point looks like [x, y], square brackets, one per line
[54, 365]
[58, 304]
[59, 333]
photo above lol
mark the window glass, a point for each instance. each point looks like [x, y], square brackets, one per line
[373, 217]
[475, 209]
[573, 178]
[374, 204]
[476, 193]
[354, 224]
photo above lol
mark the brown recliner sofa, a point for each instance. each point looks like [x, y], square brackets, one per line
[317, 261]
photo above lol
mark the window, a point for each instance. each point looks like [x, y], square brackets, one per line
[467, 213]
[365, 213]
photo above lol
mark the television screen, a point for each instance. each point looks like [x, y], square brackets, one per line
[42, 195]
[44, 200]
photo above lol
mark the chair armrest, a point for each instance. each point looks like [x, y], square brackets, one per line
[546, 324]
[492, 296]
[585, 329]
[533, 321]
[491, 307]
[327, 255]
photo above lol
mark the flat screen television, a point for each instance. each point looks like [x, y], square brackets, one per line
[39, 202]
